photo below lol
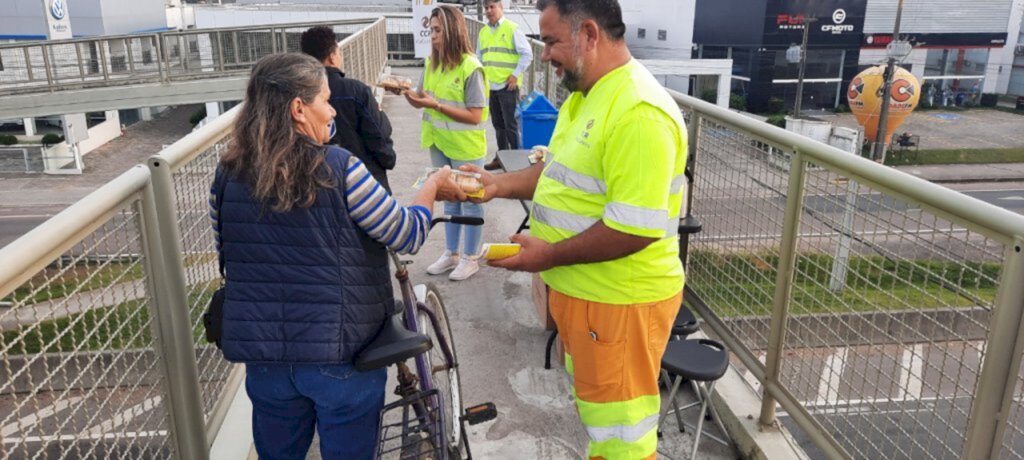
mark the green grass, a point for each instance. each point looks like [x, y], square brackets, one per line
[955, 156]
[54, 283]
[1007, 110]
[117, 327]
[744, 284]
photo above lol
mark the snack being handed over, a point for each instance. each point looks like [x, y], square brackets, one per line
[468, 182]
[538, 153]
[394, 83]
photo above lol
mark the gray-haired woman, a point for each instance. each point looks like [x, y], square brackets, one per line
[302, 229]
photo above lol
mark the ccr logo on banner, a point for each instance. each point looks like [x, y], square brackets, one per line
[421, 26]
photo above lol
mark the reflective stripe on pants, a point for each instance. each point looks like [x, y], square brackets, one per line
[613, 353]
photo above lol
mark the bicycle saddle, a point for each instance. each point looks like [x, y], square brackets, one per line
[393, 344]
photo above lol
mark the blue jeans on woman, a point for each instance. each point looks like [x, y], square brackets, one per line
[471, 245]
[290, 400]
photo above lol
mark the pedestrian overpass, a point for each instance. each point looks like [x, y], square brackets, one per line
[873, 314]
[82, 75]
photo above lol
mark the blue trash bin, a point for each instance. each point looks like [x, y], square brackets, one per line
[536, 120]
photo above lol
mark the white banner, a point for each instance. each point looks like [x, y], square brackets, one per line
[58, 24]
[421, 26]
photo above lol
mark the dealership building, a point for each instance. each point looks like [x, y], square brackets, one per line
[958, 45]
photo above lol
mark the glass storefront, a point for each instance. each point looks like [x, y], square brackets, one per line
[953, 76]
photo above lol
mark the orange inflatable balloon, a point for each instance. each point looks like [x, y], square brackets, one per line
[865, 97]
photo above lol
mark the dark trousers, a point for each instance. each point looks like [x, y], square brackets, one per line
[503, 115]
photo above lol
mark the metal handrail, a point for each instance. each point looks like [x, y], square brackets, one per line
[286, 25]
[160, 65]
[988, 219]
[992, 394]
[144, 210]
[23, 257]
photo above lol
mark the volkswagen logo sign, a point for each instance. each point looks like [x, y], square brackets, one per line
[58, 10]
[838, 16]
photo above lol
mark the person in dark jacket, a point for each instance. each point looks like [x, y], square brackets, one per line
[303, 298]
[362, 128]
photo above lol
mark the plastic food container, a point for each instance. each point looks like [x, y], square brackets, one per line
[395, 83]
[538, 153]
[468, 182]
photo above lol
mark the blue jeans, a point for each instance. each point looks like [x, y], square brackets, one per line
[471, 246]
[289, 401]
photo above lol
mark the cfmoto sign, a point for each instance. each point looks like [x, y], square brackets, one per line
[837, 27]
[58, 10]
[839, 16]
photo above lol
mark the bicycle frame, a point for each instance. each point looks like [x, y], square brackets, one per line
[411, 306]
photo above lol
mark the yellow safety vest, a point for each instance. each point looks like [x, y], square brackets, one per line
[573, 191]
[458, 141]
[498, 50]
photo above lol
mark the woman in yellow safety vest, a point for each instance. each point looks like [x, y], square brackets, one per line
[454, 97]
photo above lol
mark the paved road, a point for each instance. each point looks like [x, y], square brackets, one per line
[887, 401]
[100, 423]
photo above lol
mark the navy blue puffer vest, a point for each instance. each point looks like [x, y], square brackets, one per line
[305, 286]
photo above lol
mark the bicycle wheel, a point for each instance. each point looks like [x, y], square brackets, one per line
[445, 378]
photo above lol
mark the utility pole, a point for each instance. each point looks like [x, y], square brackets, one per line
[808, 20]
[879, 149]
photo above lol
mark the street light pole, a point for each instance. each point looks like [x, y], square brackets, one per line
[803, 65]
[879, 149]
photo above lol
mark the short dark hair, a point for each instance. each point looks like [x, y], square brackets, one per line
[489, 2]
[319, 42]
[606, 13]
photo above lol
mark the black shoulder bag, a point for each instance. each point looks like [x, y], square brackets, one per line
[213, 319]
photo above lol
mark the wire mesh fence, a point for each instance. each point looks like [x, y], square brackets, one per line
[192, 190]
[730, 261]
[366, 52]
[890, 308]
[87, 341]
[1013, 437]
[79, 373]
[149, 58]
[78, 63]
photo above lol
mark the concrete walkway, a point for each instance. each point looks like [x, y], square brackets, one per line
[499, 339]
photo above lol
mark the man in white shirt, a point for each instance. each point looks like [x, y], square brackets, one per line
[505, 53]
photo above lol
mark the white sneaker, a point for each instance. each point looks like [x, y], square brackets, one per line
[447, 262]
[467, 267]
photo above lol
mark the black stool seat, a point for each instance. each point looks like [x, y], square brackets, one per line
[685, 323]
[702, 360]
[393, 344]
[689, 224]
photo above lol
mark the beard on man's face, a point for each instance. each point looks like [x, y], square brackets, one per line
[571, 79]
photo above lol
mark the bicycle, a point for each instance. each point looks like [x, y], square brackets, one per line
[435, 428]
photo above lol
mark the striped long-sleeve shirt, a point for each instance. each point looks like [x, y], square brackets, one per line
[372, 209]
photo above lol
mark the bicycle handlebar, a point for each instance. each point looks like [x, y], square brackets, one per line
[464, 220]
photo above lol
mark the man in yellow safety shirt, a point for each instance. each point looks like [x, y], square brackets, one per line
[604, 223]
[506, 54]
